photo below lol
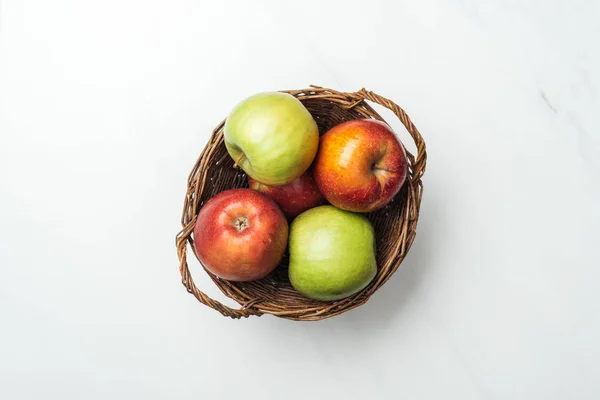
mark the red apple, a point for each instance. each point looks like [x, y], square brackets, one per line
[240, 235]
[361, 165]
[295, 197]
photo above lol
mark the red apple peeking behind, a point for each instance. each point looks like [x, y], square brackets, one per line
[360, 165]
[240, 235]
[295, 197]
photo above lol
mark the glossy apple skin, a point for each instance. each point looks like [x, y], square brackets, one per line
[361, 165]
[276, 134]
[332, 253]
[240, 235]
[295, 197]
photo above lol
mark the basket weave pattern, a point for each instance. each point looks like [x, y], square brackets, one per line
[395, 225]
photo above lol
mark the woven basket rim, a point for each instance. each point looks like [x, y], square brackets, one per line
[407, 222]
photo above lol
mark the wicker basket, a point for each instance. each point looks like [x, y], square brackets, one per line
[395, 225]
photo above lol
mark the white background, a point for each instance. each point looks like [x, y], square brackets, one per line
[105, 105]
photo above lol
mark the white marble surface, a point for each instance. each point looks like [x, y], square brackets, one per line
[104, 106]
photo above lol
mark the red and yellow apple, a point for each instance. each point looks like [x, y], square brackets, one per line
[240, 235]
[295, 197]
[360, 165]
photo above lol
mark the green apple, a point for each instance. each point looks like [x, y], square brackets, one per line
[332, 253]
[272, 137]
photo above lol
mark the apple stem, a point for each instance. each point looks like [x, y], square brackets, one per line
[241, 223]
[377, 166]
[235, 165]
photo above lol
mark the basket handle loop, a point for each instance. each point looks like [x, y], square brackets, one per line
[418, 164]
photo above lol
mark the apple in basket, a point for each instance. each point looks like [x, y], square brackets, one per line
[272, 137]
[332, 253]
[240, 235]
[295, 197]
[361, 165]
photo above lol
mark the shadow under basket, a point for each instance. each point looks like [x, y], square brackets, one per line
[395, 225]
